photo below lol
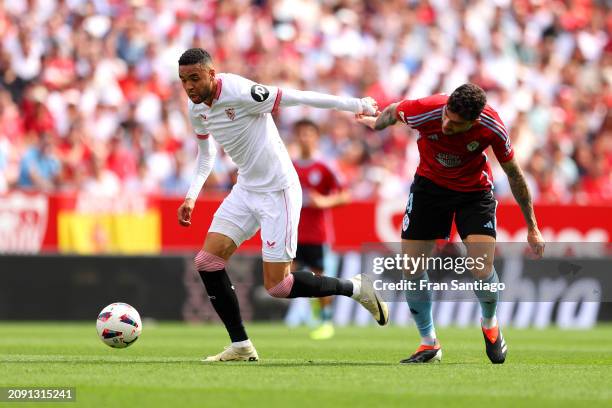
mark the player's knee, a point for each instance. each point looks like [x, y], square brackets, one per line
[280, 289]
[483, 269]
[207, 262]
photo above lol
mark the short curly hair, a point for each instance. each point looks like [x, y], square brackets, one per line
[195, 56]
[467, 101]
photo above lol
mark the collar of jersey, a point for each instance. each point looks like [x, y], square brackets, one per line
[217, 94]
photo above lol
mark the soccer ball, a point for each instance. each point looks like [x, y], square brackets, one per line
[119, 325]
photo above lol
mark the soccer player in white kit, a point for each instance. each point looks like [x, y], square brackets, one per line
[236, 112]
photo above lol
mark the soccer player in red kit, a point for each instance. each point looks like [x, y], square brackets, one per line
[321, 190]
[453, 179]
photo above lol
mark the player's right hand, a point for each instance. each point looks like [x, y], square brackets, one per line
[536, 242]
[184, 212]
[369, 106]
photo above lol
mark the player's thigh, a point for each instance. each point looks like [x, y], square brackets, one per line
[429, 212]
[220, 245]
[481, 252]
[476, 214]
[279, 216]
[234, 219]
[413, 248]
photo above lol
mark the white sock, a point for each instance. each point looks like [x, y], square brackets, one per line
[242, 344]
[356, 289]
[489, 323]
[429, 340]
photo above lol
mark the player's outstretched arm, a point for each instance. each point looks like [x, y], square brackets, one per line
[521, 194]
[361, 106]
[385, 119]
[206, 158]
[330, 200]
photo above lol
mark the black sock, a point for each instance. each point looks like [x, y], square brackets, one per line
[223, 298]
[307, 284]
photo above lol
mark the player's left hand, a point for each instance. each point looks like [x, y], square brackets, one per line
[369, 106]
[536, 242]
[369, 121]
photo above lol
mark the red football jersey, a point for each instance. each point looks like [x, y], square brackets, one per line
[314, 175]
[457, 162]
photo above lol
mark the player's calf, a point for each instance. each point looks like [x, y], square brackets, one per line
[221, 294]
[307, 284]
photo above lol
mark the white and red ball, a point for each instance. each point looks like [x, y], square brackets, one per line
[119, 325]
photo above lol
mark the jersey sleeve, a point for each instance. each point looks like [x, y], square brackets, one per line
[415, 112]
[197, 125]
[500, 141]
[256, 98]
[405, 109]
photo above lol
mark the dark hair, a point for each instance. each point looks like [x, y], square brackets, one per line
[307, 123]
[467, 101]
[195, 56]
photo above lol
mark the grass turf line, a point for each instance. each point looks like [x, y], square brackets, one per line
[358, 367]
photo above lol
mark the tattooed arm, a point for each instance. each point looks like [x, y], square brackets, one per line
[521, 194]
[386, 118]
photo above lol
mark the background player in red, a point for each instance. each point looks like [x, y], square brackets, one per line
[321, 190]
[454, 179]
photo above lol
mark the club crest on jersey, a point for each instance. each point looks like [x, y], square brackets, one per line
[231, 113]
[259, 93]
[432, 137]
[314, 177]
[473, 145]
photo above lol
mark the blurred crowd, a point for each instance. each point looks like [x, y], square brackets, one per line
[90, 99]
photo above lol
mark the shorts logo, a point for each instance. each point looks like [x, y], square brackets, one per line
[405, 222]
[473, 145]
[448, 160]
[270, 244]
[231, 113]
[259, 93]
[489, 225]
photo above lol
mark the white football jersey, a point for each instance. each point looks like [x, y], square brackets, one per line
[240, 121]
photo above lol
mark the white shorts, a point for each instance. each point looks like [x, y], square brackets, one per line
[277, 213]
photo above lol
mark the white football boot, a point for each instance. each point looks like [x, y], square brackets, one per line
[370, 299]
[231, 353]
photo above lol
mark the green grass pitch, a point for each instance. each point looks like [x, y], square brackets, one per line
[359, 367]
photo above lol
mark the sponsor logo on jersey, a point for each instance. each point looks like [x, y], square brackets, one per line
[473, 145]
[259, 93]
[231, 113]
[448, 160]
